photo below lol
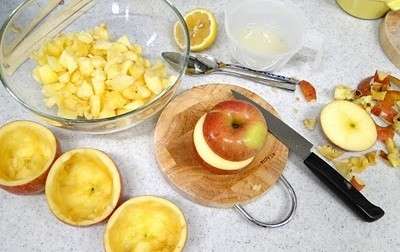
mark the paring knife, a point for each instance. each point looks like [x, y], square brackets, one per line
[326, 173]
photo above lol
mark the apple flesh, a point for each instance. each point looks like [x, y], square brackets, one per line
[146, 223]
[230, 135]
[83, 187]
[348, 126]
[27, 152]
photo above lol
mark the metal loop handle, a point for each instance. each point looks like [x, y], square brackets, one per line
[283, 222]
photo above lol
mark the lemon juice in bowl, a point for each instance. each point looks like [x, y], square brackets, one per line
[260, 39]
[264, 34]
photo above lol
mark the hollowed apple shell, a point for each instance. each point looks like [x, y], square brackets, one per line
[143, 217]
[83, 187]
[27, 152]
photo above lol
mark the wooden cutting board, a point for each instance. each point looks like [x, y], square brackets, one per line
[389, 37]
[183, 168]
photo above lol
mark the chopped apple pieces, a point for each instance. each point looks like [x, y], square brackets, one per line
[393, 153]
[343, 93]
[85, 74]
[310, 123]
[356, 164]
[329, 152]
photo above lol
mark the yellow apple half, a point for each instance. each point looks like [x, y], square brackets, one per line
[27, 150]
[209, 156]
[83, 187]
[146, 223]
[348, 126]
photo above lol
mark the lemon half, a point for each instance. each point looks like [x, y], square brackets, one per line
[202, 27]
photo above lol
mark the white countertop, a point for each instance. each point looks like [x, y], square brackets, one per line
[322, 222]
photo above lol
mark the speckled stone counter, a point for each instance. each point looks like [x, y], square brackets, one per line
[322, 223]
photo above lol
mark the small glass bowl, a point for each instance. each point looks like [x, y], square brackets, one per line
[148, 23]
[281, 20]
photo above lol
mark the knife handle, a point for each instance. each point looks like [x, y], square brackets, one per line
[343, 188]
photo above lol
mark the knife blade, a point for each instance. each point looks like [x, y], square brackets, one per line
[326, 173]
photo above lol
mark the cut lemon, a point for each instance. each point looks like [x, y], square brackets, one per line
[202, 27]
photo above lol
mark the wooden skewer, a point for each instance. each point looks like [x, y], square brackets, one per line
[53, 26]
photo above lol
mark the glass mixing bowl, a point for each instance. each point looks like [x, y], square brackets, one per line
[148, 23]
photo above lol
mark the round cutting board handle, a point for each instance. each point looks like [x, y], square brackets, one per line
[283, 222]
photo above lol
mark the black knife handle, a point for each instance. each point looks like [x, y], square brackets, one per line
[343, 188]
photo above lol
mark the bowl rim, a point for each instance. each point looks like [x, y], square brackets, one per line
[98, 120]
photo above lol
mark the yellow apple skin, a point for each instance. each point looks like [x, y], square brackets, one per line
[209, 156]
[348, 126]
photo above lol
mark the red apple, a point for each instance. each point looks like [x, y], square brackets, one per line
[235, 130]
[230, 135]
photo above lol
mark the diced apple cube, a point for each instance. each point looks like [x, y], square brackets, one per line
[85, 90]
[114, 57]
[343, 93]
[95, 105]
[125, 66]
[131, 56]
[85, 37]
[54, 64]
[105, 113]
[47, 75]
[136, 71]
[75, 77]
[79, 48]
[113, 71]
[102, 45]
[153, 82]
[134, 105]
[118, 47]
[101, 32]
[70, 89]
[98, 52]
[143, 92]
[64, 77]
[131, 93]
[136, 48]
[50, 102]
[98, 86]
[85, 66]
[54, 49]
[99, 74]
[68, 61]
[329, 152]
[120, 82]
[98, 61]
[124, 40]
[113, 100]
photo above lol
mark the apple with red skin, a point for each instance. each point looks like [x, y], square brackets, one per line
[232, 132]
